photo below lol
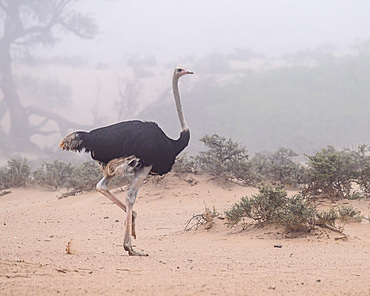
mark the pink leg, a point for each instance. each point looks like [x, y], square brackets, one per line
[140, 175]
[102, 187]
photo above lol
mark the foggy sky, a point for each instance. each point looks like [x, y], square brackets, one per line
[169, 29]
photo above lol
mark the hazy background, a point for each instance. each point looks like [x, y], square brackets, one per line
[170, 30]
[269, 74]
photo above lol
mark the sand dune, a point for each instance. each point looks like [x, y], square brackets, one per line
[36, 228]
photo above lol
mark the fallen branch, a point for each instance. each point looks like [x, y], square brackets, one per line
[200, 219]
[70, 193]
[2, 193]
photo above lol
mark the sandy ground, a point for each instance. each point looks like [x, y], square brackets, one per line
[35, 228]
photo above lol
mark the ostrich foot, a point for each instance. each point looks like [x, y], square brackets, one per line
[132, 252]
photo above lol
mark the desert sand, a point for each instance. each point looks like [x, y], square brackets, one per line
[36, 227]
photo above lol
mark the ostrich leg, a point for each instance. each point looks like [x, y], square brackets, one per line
[140, 175]
[102, 187]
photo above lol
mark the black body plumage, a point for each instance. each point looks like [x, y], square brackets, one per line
[144, 140]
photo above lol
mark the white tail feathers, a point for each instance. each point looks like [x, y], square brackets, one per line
[72, 142]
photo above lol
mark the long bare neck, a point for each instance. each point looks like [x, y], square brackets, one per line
[176, 94]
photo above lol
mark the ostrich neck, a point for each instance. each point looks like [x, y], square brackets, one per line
[176, 95]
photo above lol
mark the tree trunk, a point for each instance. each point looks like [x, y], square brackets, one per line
[15, 29]
[18, 133]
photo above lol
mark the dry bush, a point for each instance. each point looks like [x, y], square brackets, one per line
[327, 217]
[15, 174]
[84, 176]
[226, 159]
[331, 173]
[296, 215]
[273, 205]
[54, 175]
[349, 214]
[184, 164]
[278, 167]
[206, 219]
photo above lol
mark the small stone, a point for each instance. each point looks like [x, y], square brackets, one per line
[278, 246]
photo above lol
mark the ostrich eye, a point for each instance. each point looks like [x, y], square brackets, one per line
[179, 70]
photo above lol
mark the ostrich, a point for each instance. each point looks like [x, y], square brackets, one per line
[132, 146]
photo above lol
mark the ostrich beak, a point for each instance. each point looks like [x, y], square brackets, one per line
[189, 72]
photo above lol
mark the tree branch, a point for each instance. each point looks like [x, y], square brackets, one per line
[2, 5]
[2, 108]
[63, 124]
[56, 19]
[59, 7]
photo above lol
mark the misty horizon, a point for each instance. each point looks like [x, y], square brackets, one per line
[247, 56]
[171, 31]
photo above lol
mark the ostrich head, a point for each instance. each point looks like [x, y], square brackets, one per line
[180, 71]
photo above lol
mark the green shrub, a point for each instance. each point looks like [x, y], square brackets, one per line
[330, 173]
[238, 211]
[361, 158]
[348, 213]
[364, 180]
[54, 175]
[269, 200]
[278, 167]
[15, 174]
[296, 215]
[184, 164]
[225, 158]
[3, 178]
[84, 176]
[272, 204]
[327, 217]
[344, 213]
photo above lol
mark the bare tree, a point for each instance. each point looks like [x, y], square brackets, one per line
[25, 24]
[127, 105]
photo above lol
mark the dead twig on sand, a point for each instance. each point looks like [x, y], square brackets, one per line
[197, 220]
[201, 219]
